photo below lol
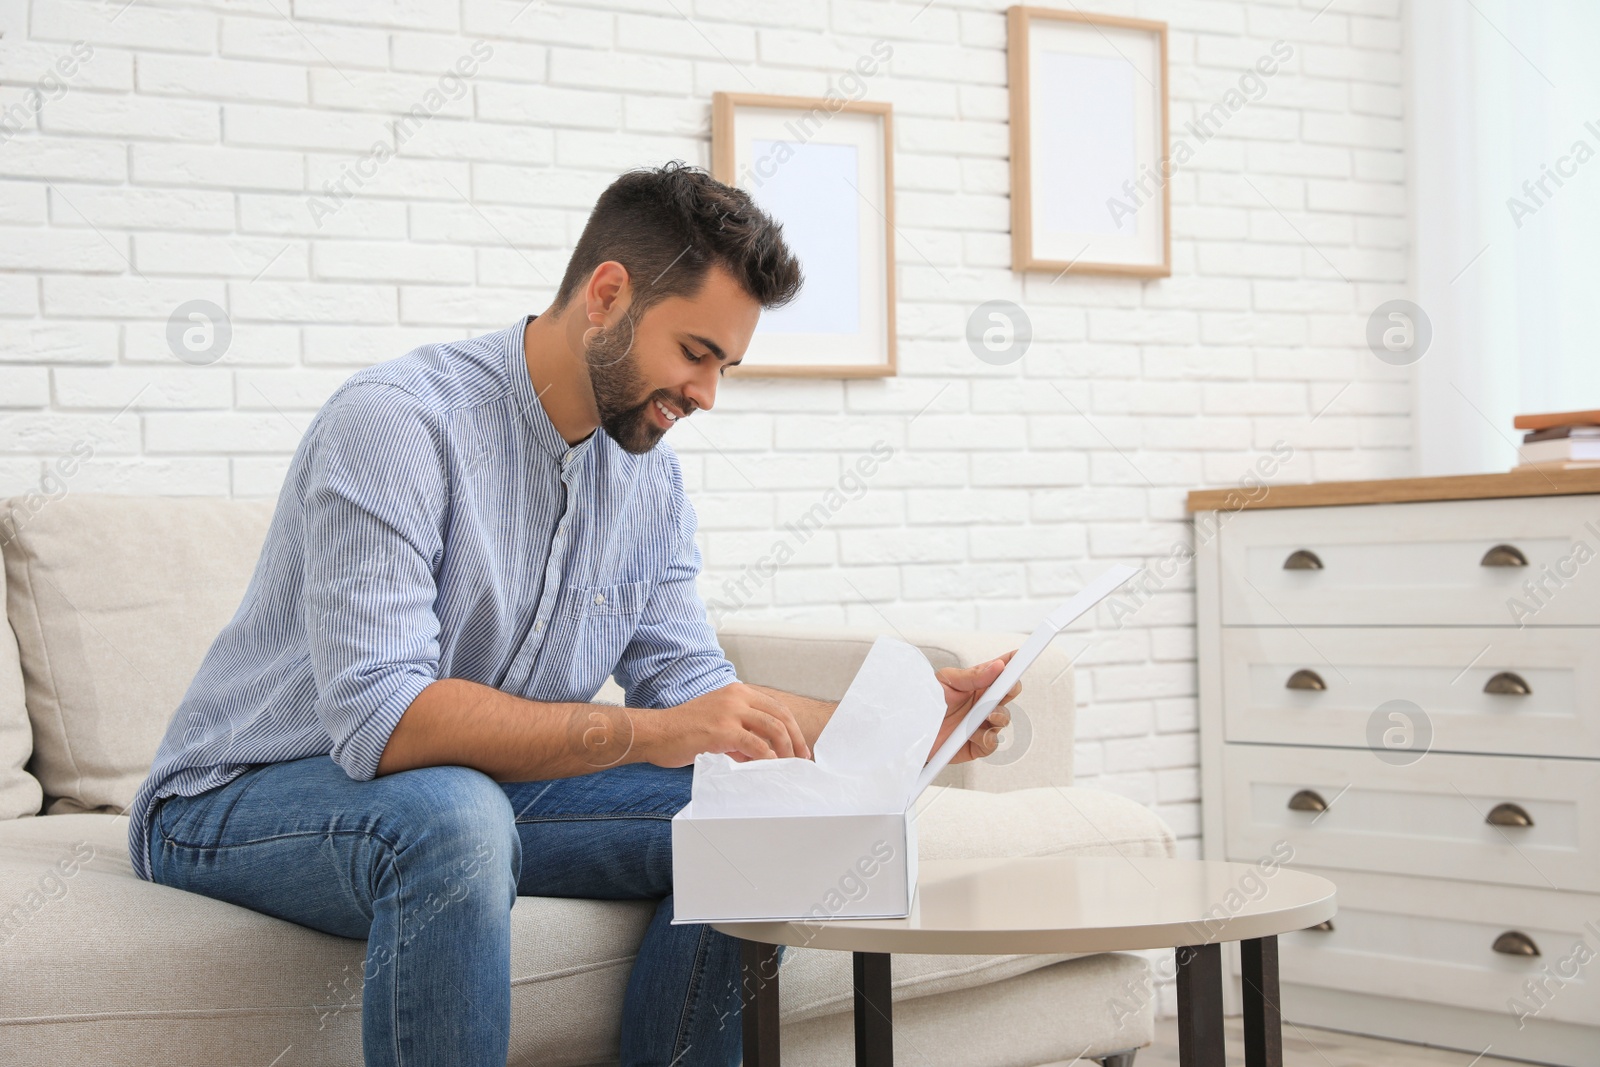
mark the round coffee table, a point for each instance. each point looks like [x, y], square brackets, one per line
[1062, 904]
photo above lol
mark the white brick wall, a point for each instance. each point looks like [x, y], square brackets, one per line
[178, 164]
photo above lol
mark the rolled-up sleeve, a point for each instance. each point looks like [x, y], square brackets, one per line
[375, 509]
[674, 655]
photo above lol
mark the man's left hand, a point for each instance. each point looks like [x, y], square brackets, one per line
[962, 688]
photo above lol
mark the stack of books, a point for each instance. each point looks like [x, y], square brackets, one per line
[1563, 440]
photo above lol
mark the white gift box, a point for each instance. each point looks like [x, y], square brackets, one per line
[828, 837]
[834, 837]
[793, 867]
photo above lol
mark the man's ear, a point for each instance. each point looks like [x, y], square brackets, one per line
[608, 294]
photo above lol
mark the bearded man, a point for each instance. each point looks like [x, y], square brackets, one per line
[394, 736]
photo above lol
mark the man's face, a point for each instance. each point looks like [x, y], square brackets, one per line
[649, 374]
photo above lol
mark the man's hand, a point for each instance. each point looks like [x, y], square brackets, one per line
[962, 688]
[737, 719]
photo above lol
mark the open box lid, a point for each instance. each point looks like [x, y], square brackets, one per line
[1046, 631]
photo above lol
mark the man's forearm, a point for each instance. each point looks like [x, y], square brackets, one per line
[462, 723]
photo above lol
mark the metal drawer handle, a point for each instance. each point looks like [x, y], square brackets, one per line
[1509, 683]
[1307, 800]
[1304, 679]
[1509, 814]
[1504, 556]
[1515, 943]
[1326, 926]
[1302, 559]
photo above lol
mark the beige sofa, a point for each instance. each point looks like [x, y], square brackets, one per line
[112, 601]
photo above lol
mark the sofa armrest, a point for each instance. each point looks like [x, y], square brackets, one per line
[820, 662]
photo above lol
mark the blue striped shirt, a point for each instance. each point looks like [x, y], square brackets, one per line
[434, 524]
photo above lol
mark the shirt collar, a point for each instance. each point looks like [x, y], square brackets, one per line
[538, 420]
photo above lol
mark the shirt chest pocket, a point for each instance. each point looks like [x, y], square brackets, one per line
[589, 630]
[619, 603]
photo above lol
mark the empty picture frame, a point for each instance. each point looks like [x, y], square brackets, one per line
[824, 168]
[1089, 162]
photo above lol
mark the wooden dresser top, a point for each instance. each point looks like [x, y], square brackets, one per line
[1398, 490]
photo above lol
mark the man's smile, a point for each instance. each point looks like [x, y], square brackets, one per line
[665, 414]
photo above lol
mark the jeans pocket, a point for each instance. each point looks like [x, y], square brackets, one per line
[169, 825]
[185, 822]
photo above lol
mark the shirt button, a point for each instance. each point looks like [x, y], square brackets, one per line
[570, 453]
[599, 598]
[538, 626]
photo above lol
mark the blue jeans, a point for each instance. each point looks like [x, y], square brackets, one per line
[426, 864]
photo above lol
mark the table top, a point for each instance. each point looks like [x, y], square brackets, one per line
[1399, 490]
[1073, 904]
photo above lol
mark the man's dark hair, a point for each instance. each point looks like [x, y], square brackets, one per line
[668, 225]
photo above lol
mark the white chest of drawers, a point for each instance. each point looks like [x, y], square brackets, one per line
[1400, 682]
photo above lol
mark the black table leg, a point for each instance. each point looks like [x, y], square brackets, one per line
[1263, 1015]
[1200, 1006]
[758, 965]
[874, 1010]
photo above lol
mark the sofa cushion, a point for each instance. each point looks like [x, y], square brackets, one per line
[816, 662]
[242, 986]
[1070, 820]
[20, 793]
[115, 600]
[97, 961]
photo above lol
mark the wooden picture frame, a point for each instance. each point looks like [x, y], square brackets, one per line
[1090, 164]
[795, 156]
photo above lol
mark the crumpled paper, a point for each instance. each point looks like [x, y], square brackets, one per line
[866, 761]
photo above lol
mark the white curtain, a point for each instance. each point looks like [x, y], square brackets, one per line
[1504, 126]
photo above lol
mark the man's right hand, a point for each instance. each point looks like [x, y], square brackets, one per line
[737, 719]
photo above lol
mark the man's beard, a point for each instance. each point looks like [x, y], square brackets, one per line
[614, 374]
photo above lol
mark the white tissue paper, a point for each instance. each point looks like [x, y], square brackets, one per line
[867, 758]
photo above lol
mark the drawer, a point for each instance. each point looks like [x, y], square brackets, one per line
[1429, 564]
[1494, 690]
[1426, 818]
[1426, 940]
